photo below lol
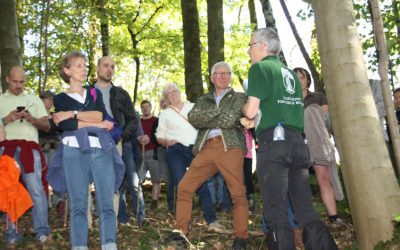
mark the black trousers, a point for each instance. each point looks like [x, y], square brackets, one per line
[282, 168]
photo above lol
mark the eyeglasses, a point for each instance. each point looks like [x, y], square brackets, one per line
[251, 44]
[172, 92]
[223, 74]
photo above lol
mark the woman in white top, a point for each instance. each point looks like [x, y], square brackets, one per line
[178, 136]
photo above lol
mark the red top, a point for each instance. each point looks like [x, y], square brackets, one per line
[147, 125]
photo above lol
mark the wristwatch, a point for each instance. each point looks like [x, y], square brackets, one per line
[75, 114]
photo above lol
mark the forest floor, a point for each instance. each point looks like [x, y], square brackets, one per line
[154, 235]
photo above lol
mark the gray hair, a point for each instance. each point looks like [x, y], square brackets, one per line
[170, 86]
[269, 37]
[219, 65]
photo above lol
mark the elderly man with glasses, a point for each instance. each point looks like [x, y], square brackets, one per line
[220, 146]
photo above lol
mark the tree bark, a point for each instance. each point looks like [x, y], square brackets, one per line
[383, 59]
[105, 37]
[368, 175]
[270, 22]
[10, 52]
[253, 15]
[314, 73]
[134, 34]
[192, 50]
[215, 34]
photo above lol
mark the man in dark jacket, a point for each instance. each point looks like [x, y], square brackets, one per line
[220, 146]
[119, 106]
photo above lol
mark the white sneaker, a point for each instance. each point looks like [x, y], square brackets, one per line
[216, 227]
[43, 239]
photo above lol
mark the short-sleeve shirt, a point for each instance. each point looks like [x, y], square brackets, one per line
[315, 98]
[18, 130]
[280, 94]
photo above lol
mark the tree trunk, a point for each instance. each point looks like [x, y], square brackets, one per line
[315, 75]
[192, 50]
[39, 46]
[253, 15]
[135, 90]
[270, 22]
[10, 52]
[372, 189]
[105, 38]
[136, 59]
[383, 58]
[215, 33]
[45, 45]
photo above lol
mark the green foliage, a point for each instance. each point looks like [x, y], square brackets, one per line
[75, 25]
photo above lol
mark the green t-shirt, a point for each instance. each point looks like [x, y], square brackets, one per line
[280, 94]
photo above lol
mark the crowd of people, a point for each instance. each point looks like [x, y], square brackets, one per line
[93, 134]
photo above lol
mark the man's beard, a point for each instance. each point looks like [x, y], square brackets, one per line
[106, 79]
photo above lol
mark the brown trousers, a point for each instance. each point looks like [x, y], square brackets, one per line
[211, 159]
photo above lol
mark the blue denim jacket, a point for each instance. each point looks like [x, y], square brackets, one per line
[55, 173]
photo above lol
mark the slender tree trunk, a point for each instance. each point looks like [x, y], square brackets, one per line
[383, 58]
[91, 43]
[396, 14]
[372, 189]
[134, 34]
[215, 33]
[253, 15]
[10, 52]
[39, 47]
[270, 22]
[135, 91]
[192, 50]
[105, 38]
[45, 45]
[315, 75]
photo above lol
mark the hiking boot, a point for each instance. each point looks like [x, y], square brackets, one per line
[336, 222]
[252, 204]
[215, 226]
[239, 244]
[176, 239]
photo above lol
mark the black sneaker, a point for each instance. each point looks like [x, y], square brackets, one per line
[176, 239]
[239, 244]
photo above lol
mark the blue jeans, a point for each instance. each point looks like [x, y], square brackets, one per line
[179, 158]
[33, 182]
[224, 199]
[80, 168]
[58, 197]
[131, 180]
[163, 162]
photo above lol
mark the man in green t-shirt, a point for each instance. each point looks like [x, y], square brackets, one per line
[275, 96]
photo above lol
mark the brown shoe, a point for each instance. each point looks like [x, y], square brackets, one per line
[298, 238]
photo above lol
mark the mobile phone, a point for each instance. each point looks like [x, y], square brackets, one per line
[19, 109]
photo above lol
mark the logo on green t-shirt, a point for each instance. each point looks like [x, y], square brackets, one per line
[288, 81]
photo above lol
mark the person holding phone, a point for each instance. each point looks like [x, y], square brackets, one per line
[22, 116]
